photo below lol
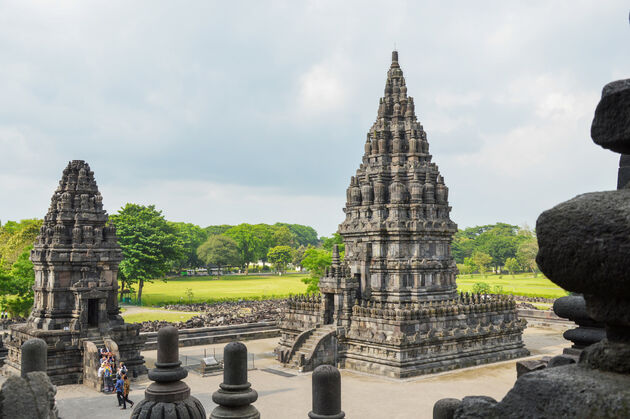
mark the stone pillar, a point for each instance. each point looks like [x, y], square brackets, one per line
[34, 356]
[168, 397]
[588, 332]
[235, 395]
[326, 393]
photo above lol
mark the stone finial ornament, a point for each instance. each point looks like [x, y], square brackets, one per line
[235, 395]
[168, 397]
[326, 393]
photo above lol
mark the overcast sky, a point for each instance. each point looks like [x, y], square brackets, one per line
[227, 112]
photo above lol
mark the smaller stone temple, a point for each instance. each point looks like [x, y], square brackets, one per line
[391, 307]
[75, 311]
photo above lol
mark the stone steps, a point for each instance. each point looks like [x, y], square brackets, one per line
[308, 346]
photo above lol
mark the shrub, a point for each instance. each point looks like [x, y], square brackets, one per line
[481, 288]
[497, 289]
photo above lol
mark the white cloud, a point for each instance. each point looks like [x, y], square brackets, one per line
[322, 89]
[449, 100]
[209, 203]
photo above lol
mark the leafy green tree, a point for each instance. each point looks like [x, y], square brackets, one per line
[465, 269]
[499, 240]
[316, 261]
[512, 265]
[15, 237]
[526, 255]
[216, 230]
[280, 256]
[191, 237]
[16, 286]
[469, 264]
[304, 235]
[265, 240]
[298, 255]
[150, 245]
[220, 251]
[249, 244]
[329, 242]
[282, 236]
[482, 261]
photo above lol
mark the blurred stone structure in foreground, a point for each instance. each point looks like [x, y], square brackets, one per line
[585, 248]
[75, 308]
[391, 307]
[31, 395]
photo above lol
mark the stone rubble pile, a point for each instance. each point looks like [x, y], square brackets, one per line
[222, 314]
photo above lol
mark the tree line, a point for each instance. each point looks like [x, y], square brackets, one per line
[497, 247]
[153, 246]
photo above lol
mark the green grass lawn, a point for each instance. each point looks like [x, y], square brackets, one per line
[209, 289]
[521, 284]
[159, 315]
[254, 287]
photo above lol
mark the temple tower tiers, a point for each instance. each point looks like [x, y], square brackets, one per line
[76, 258]
[390, 306]
[397, 229]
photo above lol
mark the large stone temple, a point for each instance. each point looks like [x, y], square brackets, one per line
[75, 258]
[391, 307]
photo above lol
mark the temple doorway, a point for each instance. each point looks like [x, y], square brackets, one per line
[92, 312]
[329, 305]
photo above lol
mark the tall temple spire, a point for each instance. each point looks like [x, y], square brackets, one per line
[397, 257]
[399, 190]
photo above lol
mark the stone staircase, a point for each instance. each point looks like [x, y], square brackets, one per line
[304, 357]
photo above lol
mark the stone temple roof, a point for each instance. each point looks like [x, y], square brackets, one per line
[76, 216]
[397, 170]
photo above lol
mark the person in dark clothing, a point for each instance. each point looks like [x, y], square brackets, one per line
[120, 388]
[126, 390]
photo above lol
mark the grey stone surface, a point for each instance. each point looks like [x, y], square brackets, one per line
[391, 307]
[34, 355]
[584, 244]
[326, 393]
[623, 175]
[445, 408]
[611, 125]
[235, 395]
[524, 367]
[31, 397]
[588, 332]
[571, 391]
[168, 397]
[560, 360]
[75, 259]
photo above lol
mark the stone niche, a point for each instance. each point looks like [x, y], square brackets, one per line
[76, 258]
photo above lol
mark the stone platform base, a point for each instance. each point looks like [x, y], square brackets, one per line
[426, 365]
[66, 352]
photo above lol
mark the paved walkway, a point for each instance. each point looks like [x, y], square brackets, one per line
[363, 396]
